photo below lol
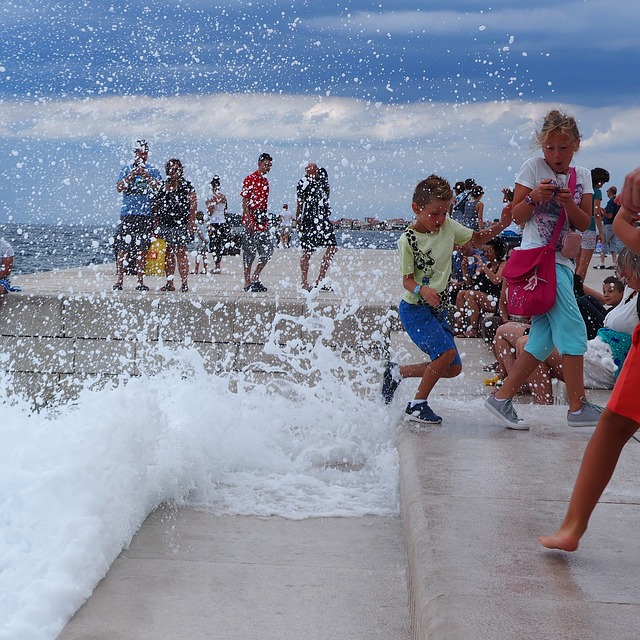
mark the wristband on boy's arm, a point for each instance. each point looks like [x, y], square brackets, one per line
[416, 291]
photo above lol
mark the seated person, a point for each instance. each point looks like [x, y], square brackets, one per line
[6, 265]
[482, 292]
[462, 265]
[593, 306]
[607, 351]
[504, 348]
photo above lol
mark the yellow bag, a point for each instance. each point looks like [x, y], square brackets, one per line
[155, 258]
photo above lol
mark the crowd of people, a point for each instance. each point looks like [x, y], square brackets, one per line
[584, 336]
[549, 191]
[167, 209]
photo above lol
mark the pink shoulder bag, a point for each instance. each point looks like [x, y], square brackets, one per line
[531, 273]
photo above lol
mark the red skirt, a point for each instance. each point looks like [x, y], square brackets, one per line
[624, 397]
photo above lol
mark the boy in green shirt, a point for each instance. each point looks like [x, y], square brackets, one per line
[425, 250]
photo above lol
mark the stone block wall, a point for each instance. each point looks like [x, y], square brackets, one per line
[49, 344]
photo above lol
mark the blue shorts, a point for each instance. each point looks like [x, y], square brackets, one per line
[562, 327]
[430, 331]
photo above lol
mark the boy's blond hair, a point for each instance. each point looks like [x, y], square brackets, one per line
[432, 188]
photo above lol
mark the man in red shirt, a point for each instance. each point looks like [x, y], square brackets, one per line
[256, 239]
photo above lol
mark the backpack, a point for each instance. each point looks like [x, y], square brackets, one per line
[458, 207]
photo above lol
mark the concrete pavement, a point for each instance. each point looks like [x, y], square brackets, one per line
[474, 498]
[190, 575]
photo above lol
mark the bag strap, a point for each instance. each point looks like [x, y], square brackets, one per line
[563, 214]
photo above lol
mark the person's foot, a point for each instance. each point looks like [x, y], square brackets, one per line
[611, 266]
[184, 288]
[306, 286]
[504, 410]
[117, 286]
[168, 287]
[562, 540]
[422, 412]
[599, 266]
[588, 416]
[216, 270]
[391, 378]
[142, 287]
[258, 287]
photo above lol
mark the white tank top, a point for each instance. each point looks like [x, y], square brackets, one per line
[216, 213]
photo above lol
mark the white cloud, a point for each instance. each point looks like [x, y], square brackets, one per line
[387, 148]
[526, 23]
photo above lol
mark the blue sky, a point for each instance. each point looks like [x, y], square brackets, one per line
[380, 93]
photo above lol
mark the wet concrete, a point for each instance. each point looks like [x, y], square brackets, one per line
[474, 498]
[188, 574]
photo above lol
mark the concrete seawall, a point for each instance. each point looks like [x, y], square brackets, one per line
[69, 326]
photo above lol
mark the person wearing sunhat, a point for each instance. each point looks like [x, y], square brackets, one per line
[137, 183]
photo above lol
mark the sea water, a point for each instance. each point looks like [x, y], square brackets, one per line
[79, 478]
[45, 247]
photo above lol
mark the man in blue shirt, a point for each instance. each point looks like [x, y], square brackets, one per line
[610, 243]
[137, 183]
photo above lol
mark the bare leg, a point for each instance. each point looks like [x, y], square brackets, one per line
[247, 275]
[170, 263]
[540, 384]
[183, 267]
[326, 263]
[523, 367]
[120, 257]
[598, 464]
[304, 269]
[504, 345]
[471, 315]
[573, 371]
[460, 316]
[583, 262]
[256, 274]
[431, 372]
[141, 264]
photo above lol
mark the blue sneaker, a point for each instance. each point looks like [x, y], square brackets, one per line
[390, 381]
[422, 412]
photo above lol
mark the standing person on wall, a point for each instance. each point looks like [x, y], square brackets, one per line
[541, 193]
[218, 227]
[610, 244]
[286, 221]
[174, 207]
[137, 183]
[590, 237]
[256, 240]
[621, 417]
[314, 226]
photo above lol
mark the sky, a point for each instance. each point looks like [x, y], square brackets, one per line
[380, 93]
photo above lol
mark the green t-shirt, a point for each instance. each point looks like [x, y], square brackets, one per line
[435, 251]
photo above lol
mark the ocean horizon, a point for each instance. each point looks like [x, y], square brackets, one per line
[46, 247]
